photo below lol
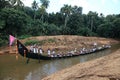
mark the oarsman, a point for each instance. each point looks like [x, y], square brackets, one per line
[36, 49]
[31, 48]
[83, 49]
[75, 51]
[49, 52]
[95, 44]
[72, 52]
[53, 51]
[40, 51]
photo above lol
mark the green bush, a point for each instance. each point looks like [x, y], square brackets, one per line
[24, 36]
[50, 40]
[2, 42]
[32, 42]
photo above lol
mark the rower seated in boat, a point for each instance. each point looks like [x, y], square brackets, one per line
[53, 53]
[72, 52]
[99, 48]
[69, 54]
[94, 49]
[75, 52]
[81, 52]
[107, 46]
[60, 54]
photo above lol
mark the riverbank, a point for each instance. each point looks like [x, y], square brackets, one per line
[104, 68]
[62, 43]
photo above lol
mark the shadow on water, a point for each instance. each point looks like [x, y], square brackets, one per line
[12, 69]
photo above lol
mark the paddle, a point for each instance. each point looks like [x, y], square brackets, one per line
[39, 57]
[28, 60]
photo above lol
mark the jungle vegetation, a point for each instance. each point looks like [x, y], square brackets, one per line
[22, 21]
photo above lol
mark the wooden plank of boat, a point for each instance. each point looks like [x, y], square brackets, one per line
[22, 50]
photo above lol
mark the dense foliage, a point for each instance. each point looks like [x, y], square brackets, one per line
[19, 20]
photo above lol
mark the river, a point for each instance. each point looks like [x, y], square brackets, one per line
[17, 69]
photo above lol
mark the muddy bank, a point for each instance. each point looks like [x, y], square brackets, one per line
[104, 68]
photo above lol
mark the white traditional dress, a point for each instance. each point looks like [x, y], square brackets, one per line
[48, 52]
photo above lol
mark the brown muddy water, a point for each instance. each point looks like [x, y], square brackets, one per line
[12, 69]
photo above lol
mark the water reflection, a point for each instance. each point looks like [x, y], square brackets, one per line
[12, 69]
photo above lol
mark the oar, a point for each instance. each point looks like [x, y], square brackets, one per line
[25, 57]
[39, 57]
[16, 56]
[28, 60]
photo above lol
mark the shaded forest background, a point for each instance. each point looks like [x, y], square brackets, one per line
[22, 21]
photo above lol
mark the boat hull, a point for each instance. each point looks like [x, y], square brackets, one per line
[23, 51]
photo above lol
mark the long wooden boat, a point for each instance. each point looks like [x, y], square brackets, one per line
[22, 50]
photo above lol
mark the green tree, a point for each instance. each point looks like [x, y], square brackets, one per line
[29, 11]
[17, 4]
[2, 24]
[34, 7]
[64, 30]
[116, 28]
[66, 10]
[44, 6]
[51, 29]
[85, 31]
[4, 4]
[93, 21]
[41, 12]
[77, 10]
[75, 22]
[36, 28]
[56, 19]
[14, 21]
[45, 3]
[110, 18]
[106, 30]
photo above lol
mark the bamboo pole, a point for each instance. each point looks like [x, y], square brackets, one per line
[16, 51]
[24, 53]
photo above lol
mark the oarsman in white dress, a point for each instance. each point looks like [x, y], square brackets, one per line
[95, 44]
[49, 52]
[53, 51]
[31, 48]
[40, 51]
[36, 49]
[83, 49]
[75, 51]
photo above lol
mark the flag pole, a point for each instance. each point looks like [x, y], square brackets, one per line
[10, 49]
[16, 50]
[11, 40]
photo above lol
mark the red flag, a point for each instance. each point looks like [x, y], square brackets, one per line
[11, 39]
